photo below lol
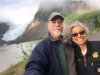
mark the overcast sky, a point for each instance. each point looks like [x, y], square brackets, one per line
[94, 3]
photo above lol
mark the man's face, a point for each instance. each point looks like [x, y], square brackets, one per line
[55, 27]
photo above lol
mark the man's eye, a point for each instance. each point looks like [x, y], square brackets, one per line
[60, 22]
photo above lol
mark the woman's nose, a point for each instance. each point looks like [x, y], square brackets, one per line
[78, 35]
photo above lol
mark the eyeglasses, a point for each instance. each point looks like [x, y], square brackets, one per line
[76, 34]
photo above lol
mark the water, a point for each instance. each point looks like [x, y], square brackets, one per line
[12, 54]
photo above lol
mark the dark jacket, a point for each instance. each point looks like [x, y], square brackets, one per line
[44, 59]
[90, 63]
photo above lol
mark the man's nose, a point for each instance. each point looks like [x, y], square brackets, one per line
[57, 24]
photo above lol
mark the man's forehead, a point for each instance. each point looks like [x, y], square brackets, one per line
[57, 18]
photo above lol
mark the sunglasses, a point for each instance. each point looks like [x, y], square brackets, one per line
[76, 34]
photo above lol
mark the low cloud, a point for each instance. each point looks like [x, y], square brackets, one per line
[18, 15]
[95, 4]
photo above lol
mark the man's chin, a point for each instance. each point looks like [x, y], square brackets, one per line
[57, 34]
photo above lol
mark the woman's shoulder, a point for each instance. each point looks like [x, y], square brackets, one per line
[95, 44]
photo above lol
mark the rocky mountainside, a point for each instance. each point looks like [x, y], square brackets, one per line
[37, 29]
[3, 28]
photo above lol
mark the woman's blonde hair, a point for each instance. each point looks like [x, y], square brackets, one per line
[69, 27]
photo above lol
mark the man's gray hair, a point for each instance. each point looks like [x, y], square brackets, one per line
[69, 27]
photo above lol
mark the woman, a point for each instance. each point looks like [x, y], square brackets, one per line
[87, 53]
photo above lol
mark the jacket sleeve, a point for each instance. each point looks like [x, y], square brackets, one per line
[38, 62]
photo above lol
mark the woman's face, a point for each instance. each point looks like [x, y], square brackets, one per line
[79, 35]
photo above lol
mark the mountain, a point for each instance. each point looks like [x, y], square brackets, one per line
[3, 29]
[37, 29]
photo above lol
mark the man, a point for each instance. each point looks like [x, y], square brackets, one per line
[48, 57]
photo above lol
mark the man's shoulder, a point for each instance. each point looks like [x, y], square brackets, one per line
[41, 46]
[44, 42]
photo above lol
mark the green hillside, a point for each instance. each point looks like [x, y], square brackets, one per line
[91, 19]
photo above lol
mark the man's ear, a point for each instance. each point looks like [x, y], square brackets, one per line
[48, 26]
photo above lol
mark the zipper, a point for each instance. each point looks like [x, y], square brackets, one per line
[85, 60]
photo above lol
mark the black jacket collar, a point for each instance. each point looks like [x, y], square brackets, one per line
[77, 49]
